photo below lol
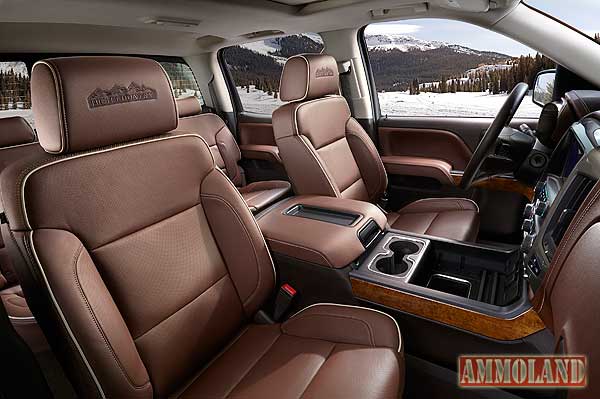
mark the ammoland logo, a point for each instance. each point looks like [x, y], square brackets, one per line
[324, 72]
[120, 94]
[477, 371]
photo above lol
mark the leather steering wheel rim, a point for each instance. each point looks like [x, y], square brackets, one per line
[487, 143]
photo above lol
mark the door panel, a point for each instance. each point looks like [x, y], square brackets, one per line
[446, 131]
[260, 155]
[255, 129]
[426, 143]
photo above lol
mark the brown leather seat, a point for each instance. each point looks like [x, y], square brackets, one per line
[17, 142]
[146, 265]
[258, 195]
[326, 152]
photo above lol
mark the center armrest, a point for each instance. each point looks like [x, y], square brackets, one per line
[322, 230]
[417, 166]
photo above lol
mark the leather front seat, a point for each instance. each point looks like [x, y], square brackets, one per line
[258, 195]
[147, 267]
[17, 143]
[326, 152]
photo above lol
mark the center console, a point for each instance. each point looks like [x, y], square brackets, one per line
[338, 250]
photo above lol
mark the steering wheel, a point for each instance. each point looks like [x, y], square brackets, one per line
[487, 143]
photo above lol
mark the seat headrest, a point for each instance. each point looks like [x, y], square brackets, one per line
[81, 103]
[15, 131]
[188, 106]
[309, 76]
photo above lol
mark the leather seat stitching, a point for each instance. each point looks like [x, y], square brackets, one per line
[302, 247]
[267, 350]
[370, 333]
[75, 263]
[381, 184]
[249, 237]
[319, 369]
[318, 162]
[180, 308]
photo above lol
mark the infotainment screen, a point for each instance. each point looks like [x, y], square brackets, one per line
[574, 155]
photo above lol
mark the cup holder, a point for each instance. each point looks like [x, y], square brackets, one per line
[398, 262]
[404, 248]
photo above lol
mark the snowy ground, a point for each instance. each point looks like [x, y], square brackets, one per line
[25, 113]
[258, 101]
[451, 104]
[403, 104]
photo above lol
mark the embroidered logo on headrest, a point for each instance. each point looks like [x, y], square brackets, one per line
[120, 94]
[324, 72]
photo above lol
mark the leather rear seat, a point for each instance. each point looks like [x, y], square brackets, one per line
[147, 267]
[258, 195]
[17, 143]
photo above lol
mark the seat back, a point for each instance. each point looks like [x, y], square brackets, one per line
[17, 142]
[325, 151]
[144, 257]
[215, 132]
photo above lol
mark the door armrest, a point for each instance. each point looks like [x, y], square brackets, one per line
[268, 153]
[417, 166]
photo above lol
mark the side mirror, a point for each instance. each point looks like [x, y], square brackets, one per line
[543, 89]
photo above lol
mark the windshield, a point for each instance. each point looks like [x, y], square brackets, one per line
[580, 14]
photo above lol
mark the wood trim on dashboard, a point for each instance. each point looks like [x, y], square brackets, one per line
[518, 327]
[500, 183]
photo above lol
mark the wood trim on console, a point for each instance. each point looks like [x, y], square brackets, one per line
[518, 327]
[500, 183]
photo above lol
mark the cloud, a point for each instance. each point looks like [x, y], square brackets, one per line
[392, 28]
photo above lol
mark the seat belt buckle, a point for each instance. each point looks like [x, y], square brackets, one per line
[383, 201]
[284, 300]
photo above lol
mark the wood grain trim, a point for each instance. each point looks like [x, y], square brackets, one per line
[518, 327]
[500, 183]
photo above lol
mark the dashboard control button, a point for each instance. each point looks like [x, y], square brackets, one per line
[529, 210]
[527, 242]
[541, 208]
[528, 226]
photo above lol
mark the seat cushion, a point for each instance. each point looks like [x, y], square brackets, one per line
[260, 194]
[452, 218]
[324, 351]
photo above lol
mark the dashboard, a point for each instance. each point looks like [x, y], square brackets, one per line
[573, 170]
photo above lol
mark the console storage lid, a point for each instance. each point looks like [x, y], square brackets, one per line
[326, 231]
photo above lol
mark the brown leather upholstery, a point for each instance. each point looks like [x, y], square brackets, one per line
[575, 106]
[567, 300]
[18, 143]
[121, 104]
[314, 241]
[149, 265]
[15, 131]
[452, 218]
[326, 152]
[308, 76]
[227, 154]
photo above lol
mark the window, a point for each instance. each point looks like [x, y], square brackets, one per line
[448, 68]
[256, 68]
[15, 95]
[183, 80]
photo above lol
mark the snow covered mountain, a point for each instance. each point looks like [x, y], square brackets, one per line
[406, 43]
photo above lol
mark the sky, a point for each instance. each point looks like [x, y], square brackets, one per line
[582, 14]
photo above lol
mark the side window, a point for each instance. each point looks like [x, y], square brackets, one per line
[448, 68]
[15, 95]
[183, 80]
[256, 68]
